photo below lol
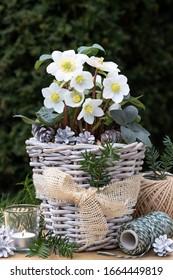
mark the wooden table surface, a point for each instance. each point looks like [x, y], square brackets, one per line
[91, 256]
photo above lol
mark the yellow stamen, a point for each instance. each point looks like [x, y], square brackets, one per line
[89, 109]
[79, 79]
[100, 60]
[77, 98]
[67, 66]
[55, 97]
[115, 87]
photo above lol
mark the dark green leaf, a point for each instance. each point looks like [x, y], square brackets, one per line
[135, 101]
[42, 58]
[25, 119]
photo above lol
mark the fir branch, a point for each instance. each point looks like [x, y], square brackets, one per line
[159, 164]
[48, 243]
[39, 248]
[97, 166]
[26, 195]
[167, 157]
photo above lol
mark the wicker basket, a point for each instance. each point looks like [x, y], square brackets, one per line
[63, 217]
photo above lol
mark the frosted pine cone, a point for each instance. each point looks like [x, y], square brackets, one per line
[65, 136]
[6, 249]
[43, 133]
[163, 246]
[86, 138]
[112, 136]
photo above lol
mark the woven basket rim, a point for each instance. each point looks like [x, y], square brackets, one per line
[80, 145]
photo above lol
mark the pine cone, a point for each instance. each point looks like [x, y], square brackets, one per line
[43, 133]
[112, 136]
[163, 246]
[65, 136]
[86, 138]
[6, 249]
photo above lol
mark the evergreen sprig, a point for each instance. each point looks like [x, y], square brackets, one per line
[97, 166]
[159, 164]
[26, 195]
[48, 243]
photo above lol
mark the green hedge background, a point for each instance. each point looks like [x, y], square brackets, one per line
[137, 35]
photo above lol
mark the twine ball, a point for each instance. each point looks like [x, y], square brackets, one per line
[155, 195]
[137, 236]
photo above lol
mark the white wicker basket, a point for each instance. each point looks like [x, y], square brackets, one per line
[62, 216]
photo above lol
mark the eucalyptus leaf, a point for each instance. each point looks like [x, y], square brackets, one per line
[119, 116]
[25, 119]
[127, 134]
[131, 113]
[91, 50]
[143, 138]
[47, 116]
[42, 58]
[136, 127]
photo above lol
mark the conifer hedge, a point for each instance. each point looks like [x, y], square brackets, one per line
[136, 34]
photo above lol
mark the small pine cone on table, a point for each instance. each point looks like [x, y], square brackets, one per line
[163, 246]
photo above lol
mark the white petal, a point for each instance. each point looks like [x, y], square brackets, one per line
[122, 79]
[80, 116]
[46, 92]
[54, 87]
[48, 103]
[114, 106]
[107, 94]
[69, 53]
[59, 107]
[124, 89]
[98, 112]
[117, 97]
[56, 55]
[52, 68]
[89, 118]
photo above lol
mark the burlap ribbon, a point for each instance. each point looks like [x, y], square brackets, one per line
[95, 207]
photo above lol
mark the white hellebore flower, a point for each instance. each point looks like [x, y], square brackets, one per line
[65, 64]
[115, 87]
[74, 98]
[98, 63]
[54, 96]
[82, 80]
[90, 109]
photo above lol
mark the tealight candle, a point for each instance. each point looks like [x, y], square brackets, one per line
[22, 240]
[23, 221]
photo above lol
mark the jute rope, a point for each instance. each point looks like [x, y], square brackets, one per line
[155, 195]
[136, 237]
[95, 207]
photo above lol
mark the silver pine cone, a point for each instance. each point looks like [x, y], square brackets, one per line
[111, 136]
[163, 246]
[65, 136]
[43, 133]
[6, 248]
[86, 138]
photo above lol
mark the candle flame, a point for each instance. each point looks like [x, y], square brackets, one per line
[23, 232]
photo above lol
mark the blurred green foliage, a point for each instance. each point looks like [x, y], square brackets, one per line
[136, 34]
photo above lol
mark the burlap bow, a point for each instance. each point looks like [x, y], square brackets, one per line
[95, 207]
